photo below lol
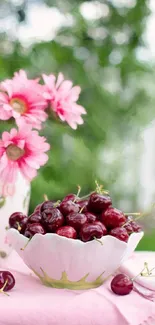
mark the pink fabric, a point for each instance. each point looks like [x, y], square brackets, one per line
[30, 303]
[132, 268]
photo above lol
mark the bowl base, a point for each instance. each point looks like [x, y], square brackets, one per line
[65, 283]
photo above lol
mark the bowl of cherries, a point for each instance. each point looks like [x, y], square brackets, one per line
[76, 243]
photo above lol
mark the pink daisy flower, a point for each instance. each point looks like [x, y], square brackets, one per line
[22, 151]
[62, 98]
[22, 99]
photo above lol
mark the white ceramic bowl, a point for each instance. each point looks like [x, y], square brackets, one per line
[67, 263]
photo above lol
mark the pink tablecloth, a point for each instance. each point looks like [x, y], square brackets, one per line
[31, 303]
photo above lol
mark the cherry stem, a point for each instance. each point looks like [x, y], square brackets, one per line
[140, 273]
[99, 241]
[147, 274]
[45, 197]
[56, 203]
[86, 196]
[78, 193]
[140, 215]
[2, 289]
[133, 214]
[22, 249]
[19, 227]
[99, 189]
[81, 209]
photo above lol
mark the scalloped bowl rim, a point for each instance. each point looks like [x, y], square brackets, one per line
[77, 241]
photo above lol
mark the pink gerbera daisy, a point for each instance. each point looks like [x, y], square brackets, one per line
[22, 99]
[62, 98]
[22, 151]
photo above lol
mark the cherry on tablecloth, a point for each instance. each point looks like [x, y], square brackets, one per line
[30, 303]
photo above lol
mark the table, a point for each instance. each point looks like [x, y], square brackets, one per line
[31, 303]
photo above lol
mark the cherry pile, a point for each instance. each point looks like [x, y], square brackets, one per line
[7, 281]
[76, 218]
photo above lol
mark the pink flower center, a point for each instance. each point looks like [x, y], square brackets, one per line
[14, 153]
[18, 105]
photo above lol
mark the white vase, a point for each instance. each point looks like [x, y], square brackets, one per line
[8, 205]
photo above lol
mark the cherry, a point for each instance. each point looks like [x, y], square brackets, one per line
[68, 207]
[18, 221]
[104, 229]
[67, 231]
[34, 218]
[47, 205]
[38, 208]
[98, 202]
[83, 205]
[52, 219]
[34, 228]
[90, 217]
[70, 197]
[76, 220]
[135, 226]
[129, 228]
[120, 233]
[90, 231]
[113, 218]
[7, 281]
[132, 226]
[121, 284]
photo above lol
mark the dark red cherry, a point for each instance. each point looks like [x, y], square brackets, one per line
[90, 217]
[70, 197]
[89, 231]
[121, 285]
[52, 219]
[98, 202]
[104, 229]
[120, 233]
[7, 278]
[67, 231]
[18, 220]
[113, 218]
[34, 228]
[68, 207]
[135, 226]
[34, 217]
[83, 205]
[129, 228]
[76, 220]
[47, 205]
[38, 208]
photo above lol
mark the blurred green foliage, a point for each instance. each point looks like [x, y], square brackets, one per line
[101, 55]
